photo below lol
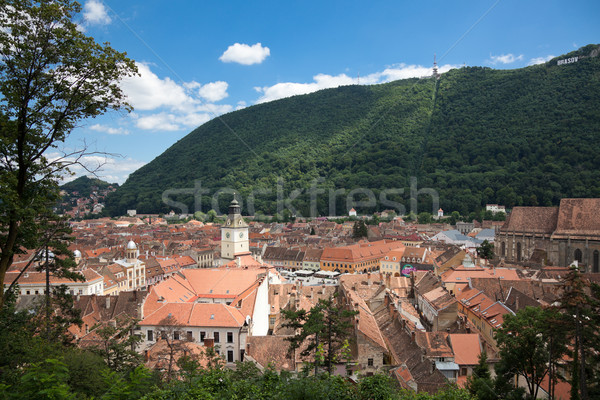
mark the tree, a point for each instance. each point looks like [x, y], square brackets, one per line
[51, 77]
[480, 383]
[486, 250]
[580, 306]
[359, 230]
[524, 341]
[424, 218]
[117, 344]
[320, 331]
[170, 331]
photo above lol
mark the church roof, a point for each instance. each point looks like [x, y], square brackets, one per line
[531, 220]
[578, 217]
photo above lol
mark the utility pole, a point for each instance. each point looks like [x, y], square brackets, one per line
[47, 295]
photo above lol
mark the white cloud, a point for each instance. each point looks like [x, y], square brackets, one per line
[108, 129]
[94, 12]
[158, 122]
[174, 122]
[324, 81]
[174, 107]
[505, 59]
[244, 54]
[108, 168]
[148, 92]
[214, 91]
[540, 60]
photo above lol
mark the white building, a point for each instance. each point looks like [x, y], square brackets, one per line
[31, 283]
[134, 269]
[197, 322]
[495, 208]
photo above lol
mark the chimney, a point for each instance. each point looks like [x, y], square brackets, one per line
[107, 302]
[368, 279]
[412, 336]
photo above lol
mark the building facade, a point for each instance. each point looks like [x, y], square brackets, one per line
[557, 236]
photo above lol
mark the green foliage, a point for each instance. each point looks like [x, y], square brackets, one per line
[359, 230]
[51, 77]
[424, 218]
[116, 345]
[321, 331]
[486, 250]
[524, 346]
[580, 306]
[480, 383]
[512, 137]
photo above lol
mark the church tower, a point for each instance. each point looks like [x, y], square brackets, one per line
[234, 234]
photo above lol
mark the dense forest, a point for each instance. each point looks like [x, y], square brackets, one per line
[477, 135]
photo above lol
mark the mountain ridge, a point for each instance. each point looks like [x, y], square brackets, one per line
[476, 135]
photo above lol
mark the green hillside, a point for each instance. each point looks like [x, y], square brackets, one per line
[516, 137]
[83, 186]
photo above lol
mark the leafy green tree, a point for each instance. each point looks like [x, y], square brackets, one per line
[359, 230]
[424, 218]
[85, 372]
[486, 250]
[580, 306]
[43, 380]
[480, 383]
[523, 341]
[51, 77]
[320, 331]
[117, 344]
[211, 215]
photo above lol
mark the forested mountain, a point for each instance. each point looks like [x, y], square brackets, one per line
[527, 136]
[84, 186]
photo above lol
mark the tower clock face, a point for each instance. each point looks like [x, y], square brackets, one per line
[227, 235]
[241, 235]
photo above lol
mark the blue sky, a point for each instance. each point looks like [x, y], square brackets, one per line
[200, 59]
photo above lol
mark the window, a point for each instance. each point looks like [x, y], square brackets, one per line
[578, 255]
[229, 356]
[176, 335]
[150, 335]
[190, 336]
[202, 336]
[370, 362]
[216, 336]
[229, 337]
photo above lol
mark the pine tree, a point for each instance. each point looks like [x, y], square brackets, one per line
[322, 330]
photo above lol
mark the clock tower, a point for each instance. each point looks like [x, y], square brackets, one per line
[234, 234]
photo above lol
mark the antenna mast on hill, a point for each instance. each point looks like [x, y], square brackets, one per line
[358, 79]
[436, 75]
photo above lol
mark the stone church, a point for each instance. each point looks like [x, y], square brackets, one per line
[553, 235]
